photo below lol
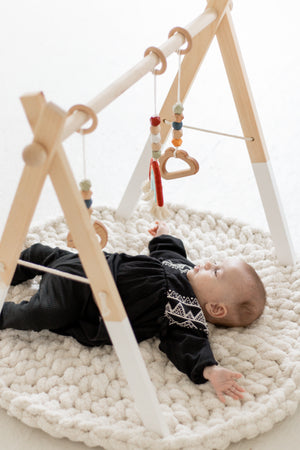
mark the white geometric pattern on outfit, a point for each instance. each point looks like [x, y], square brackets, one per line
[183, 268]
[185, 312]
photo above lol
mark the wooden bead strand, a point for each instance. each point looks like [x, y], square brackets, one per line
[153, 190]
[155, 124]
[178, 107]
[85, 185]
[178, 112]
[177, 124]
[155, 136]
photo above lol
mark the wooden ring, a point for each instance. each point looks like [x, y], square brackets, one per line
[90, 113]
[187, 37]
[162, 58]
[100, 230]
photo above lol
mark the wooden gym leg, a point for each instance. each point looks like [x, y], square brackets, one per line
[106, 295]
[28, 193]
[103, 286]
[257, 149]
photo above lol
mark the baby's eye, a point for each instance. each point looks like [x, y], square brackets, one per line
[216, 272]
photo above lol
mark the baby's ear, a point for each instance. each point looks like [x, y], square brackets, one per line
[216, 310]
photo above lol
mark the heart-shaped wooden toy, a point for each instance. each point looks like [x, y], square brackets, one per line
[181, 154]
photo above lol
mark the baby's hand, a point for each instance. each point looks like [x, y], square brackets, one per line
[224, 382]
[159, 229]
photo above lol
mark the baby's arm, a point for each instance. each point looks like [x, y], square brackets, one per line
[224, 382]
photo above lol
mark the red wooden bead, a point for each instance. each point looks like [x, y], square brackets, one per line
[155, 120]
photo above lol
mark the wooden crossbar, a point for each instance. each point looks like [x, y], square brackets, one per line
[146, 65]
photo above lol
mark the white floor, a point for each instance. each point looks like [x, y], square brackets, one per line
[72, 49]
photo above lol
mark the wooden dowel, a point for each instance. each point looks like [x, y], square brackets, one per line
[204, 130]
[146, 65]
[56, 272]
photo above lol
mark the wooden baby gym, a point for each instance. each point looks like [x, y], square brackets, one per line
[45, 156]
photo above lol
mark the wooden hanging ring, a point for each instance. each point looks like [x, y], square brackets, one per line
[100, 230]
[90, 113]
[161, 56]
[187, 36]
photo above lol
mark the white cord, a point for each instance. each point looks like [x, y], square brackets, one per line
[83, 153]
[154, 91]
[179, 76]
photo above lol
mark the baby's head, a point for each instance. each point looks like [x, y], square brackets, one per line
[230, 294]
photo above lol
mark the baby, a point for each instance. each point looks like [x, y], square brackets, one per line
[230, 294]
[164, 294]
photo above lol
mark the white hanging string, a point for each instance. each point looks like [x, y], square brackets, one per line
[179, 76]
[56, 272]
[83, 153]
[155, 96]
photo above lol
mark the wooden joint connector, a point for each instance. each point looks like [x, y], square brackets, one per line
[34, 154]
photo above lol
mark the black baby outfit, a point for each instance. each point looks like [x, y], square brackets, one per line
[155, 291]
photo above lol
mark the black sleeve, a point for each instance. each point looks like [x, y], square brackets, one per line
[166, 246]
[189, 351]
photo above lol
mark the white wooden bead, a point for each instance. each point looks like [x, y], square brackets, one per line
[155, 138]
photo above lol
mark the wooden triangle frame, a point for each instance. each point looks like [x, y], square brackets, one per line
[47, 121]
[50, 127]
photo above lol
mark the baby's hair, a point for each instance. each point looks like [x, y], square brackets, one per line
[250, 302]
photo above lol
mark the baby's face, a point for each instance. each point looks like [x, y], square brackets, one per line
[215, 281]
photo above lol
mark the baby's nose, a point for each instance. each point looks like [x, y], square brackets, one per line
[207, 265]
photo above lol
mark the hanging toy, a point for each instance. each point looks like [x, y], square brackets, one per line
[176, 151]
[85, 184]
[177, 125]
[153, 189]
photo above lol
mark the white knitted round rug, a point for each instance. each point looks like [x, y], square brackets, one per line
[53, 383]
